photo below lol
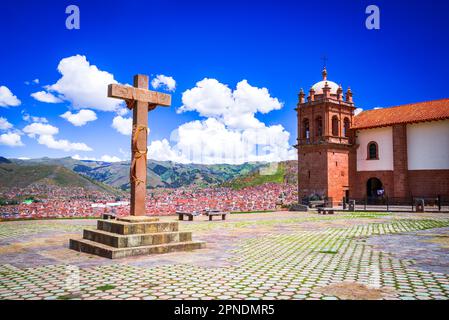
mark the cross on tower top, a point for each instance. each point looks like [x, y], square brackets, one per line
[324, 58]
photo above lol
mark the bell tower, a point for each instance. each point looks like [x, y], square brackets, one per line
[324, 144]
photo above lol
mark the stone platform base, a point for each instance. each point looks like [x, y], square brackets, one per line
[133, 236]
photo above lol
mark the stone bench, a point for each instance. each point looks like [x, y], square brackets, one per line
[326, 211]
[188, 214]
[299, 207]
[108, 216]
[316, 204]
[211, 214]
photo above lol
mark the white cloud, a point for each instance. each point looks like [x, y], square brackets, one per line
[40, 129]
[123, 125]
[84, 85]
[104, 158]
[46, 97]
[35, 81]
[29, 118]
[210, 141]
[358, 111]
[11, 140]
[65, 145]
[81, 118]
[5, 124]
[7, 99]
[45, 136]
[236, 109]
[122, 111]
[231, 133]
[165, 82]
[209, 98]
[161, 150]
[108, 158]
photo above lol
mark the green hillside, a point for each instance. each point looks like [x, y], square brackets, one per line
[21, 176]
[271, 173]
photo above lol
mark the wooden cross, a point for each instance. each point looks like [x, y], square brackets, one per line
[140, 100]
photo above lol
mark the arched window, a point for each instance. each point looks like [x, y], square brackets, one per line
[306, 129]
[346, 125]
[318, 126]
[335, 128]
[373, 151]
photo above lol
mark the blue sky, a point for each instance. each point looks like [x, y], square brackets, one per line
[272, 44]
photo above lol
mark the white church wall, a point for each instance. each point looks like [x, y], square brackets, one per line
[384, 139]
[428, 145]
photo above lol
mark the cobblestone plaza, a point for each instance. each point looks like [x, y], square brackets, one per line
[250, 256]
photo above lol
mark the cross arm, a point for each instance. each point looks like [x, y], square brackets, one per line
[137, 94]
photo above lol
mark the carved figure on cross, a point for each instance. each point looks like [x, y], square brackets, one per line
[140, 100]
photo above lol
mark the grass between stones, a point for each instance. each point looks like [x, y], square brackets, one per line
[328, 251]
[106, 287]
[69, 296]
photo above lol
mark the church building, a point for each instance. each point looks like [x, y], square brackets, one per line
[398, 152]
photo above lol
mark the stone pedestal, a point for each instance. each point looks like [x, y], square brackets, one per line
[133, 236]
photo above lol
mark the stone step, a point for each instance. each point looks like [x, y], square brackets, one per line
[126, 228]
[87, 246]
[135, 240]
[136, 219]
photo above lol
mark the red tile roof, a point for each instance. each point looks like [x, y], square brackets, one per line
[408, 113]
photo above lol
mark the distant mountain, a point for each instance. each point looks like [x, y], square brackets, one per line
[112, 177]
[4, 160]
[160, 173]
[19, 175]
[276, 172]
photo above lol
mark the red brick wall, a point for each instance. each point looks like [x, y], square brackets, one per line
[429, 183]
[312, 160]
[358, 185]
[400, 164]
[338, 174]
[352, 164]
[328, 167]
[422, 183]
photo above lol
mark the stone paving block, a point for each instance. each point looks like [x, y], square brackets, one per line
[288, 263]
